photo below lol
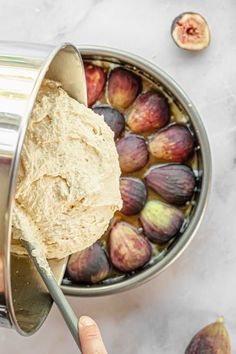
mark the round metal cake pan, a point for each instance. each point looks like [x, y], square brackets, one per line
[24, 300]
[149, 70]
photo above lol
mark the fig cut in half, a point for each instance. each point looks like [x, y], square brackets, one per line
[190, 31]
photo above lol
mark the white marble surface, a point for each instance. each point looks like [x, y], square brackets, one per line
[161, 316]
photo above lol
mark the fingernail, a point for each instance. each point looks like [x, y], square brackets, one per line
[85, 321]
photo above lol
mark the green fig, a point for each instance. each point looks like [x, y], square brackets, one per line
[160, 221]
[212, 339]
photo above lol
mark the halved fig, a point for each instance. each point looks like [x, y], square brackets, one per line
[190, 31]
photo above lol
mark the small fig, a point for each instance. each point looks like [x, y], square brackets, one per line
[114, 119]
[190, 31]
[89, 266]
[133, 153]
[174, 183]
[150, 111]
[160, 221]
[129, 249]
[95, 80]
[212, 339]
[123, 87]
[134, 195]
[172, 144]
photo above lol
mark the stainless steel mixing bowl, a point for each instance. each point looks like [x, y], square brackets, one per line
[155, 74]
[24, 301]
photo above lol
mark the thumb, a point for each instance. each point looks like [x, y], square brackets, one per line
[90, 337]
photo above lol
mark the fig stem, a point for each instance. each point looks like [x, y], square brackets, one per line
[220, 319]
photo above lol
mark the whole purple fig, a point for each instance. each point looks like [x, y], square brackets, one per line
[133, 153]
[174, 183]
[134, 195]
[129, 250]
[114, 119]
[172, 144]
[212, 339]
[150, 111]
[123, 87]
[95, 81]
[89, 266]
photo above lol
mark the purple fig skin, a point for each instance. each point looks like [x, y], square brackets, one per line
[114, 119]
[95, 80]
[212, 339]
[134, 195]
[173, 144]
[123, 87]
[133, 153]
[160, 221]
[174, 183]
[129, 250]
[150, 111]
[89, 266]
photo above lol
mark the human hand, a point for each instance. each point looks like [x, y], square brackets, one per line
[90, 337]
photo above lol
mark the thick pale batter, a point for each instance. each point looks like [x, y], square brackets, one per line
[68, 181]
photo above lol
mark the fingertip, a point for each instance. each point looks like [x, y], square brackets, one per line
[90, 336]
[86, 321]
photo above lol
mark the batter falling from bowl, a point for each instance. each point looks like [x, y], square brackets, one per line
[68, 180]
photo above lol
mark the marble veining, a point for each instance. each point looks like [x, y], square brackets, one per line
[162, 315]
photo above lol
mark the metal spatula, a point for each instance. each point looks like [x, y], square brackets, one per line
[55, 291]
